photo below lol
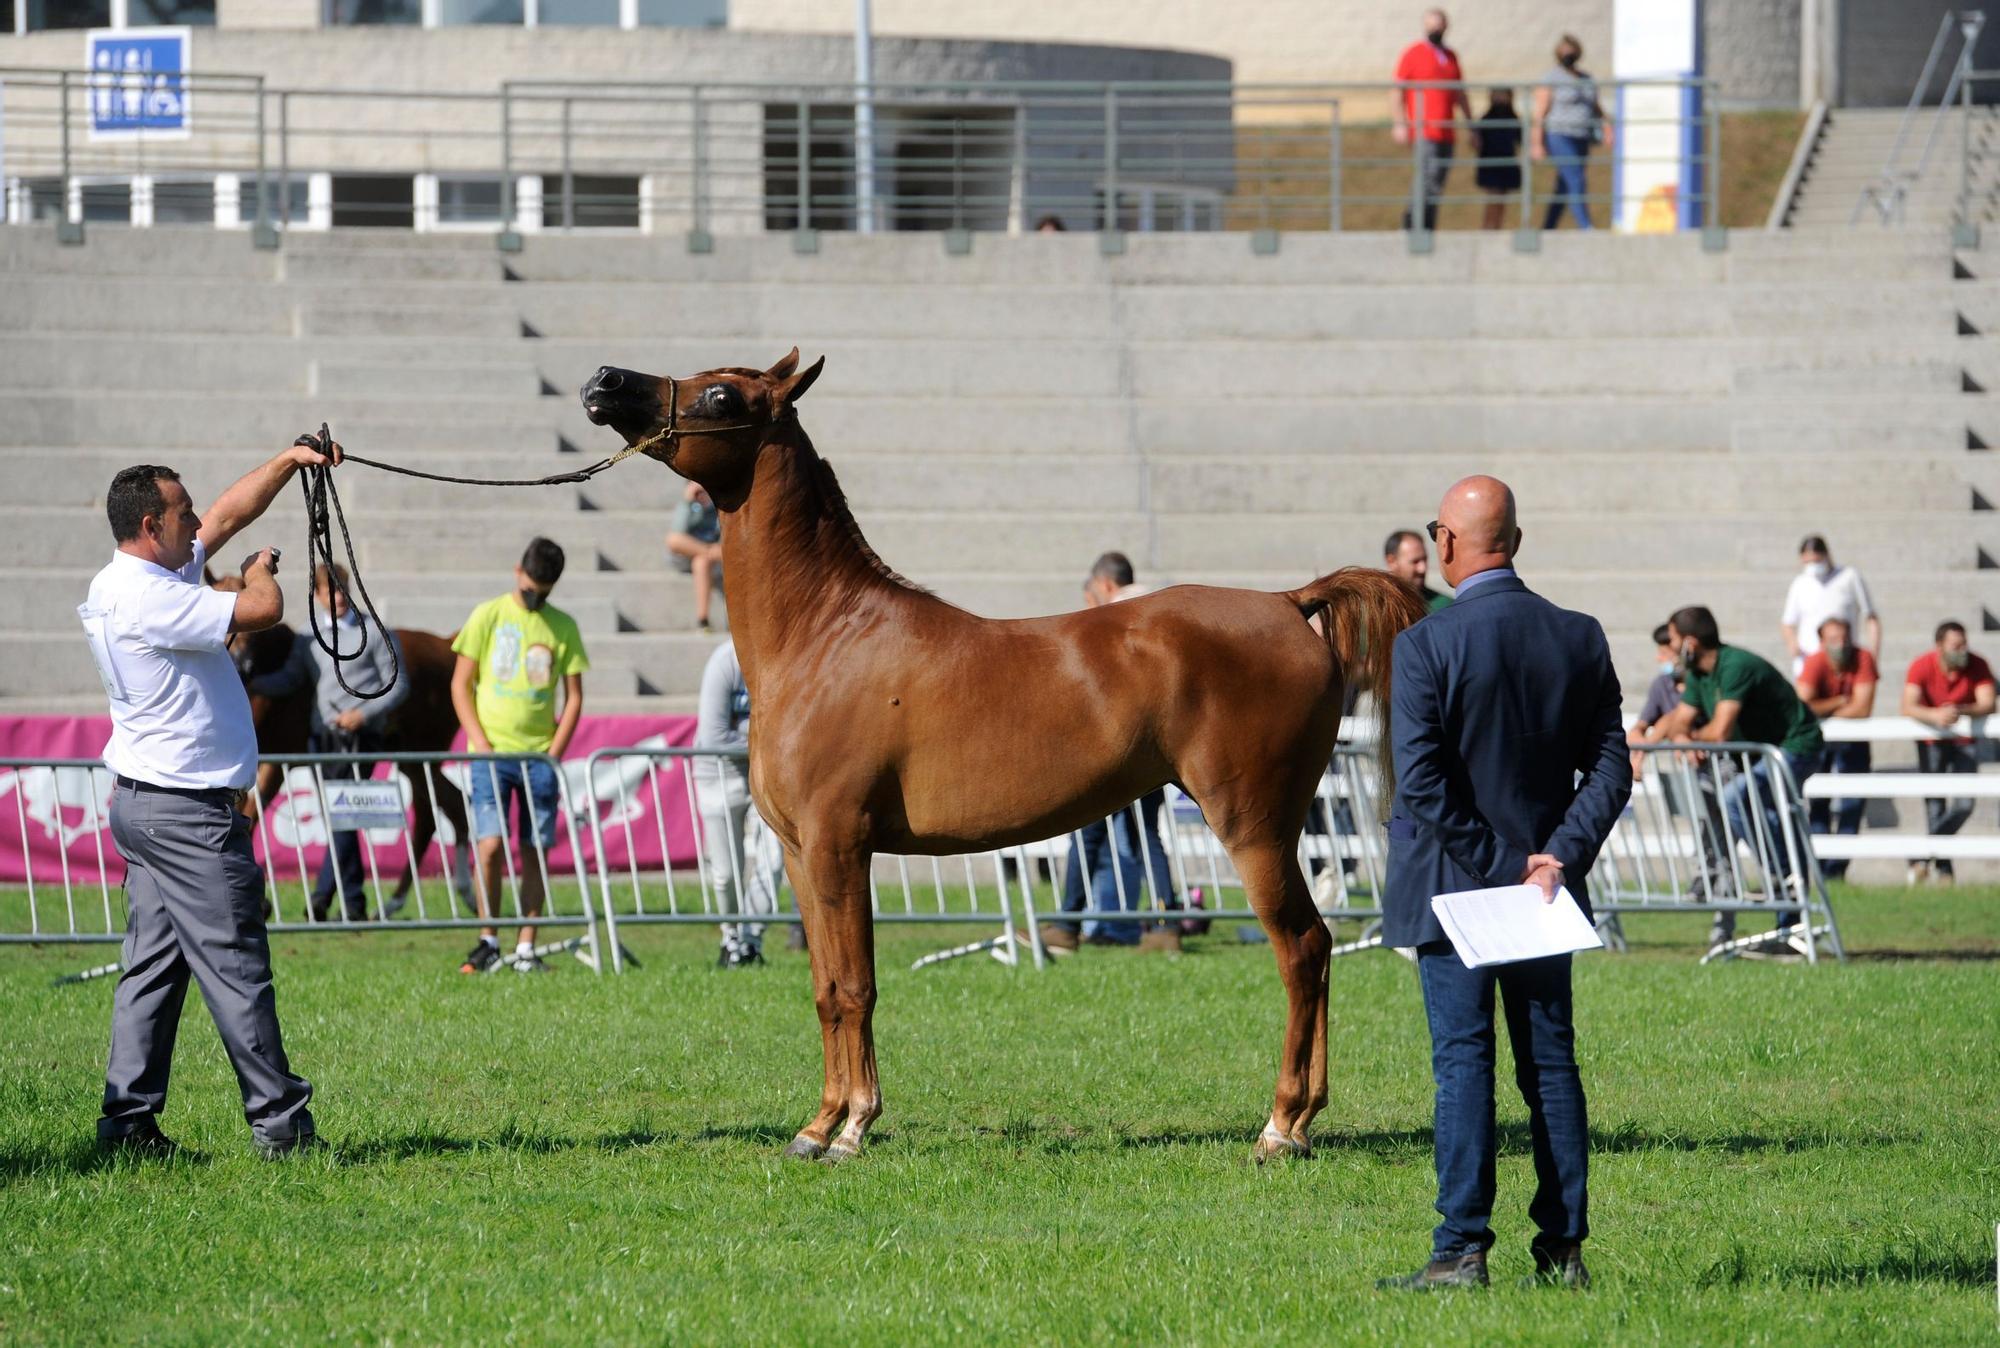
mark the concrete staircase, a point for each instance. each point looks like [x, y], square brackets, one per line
[1855, 144]
[1673, 420]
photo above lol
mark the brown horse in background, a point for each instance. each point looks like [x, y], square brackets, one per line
[890, 721]
[426, 722]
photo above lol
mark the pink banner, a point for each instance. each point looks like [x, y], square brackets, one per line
[64, 812]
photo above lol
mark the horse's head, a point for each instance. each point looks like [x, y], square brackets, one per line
[707, 426]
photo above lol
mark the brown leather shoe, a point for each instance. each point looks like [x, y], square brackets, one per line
[1161, 938]
[1559, 1263]
[1468, 1270]
[1061, 940]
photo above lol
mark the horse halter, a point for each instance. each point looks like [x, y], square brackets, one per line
[672, 431]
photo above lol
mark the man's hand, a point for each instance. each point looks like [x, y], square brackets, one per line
[264, 563]
[1942, 717]
[350, 720]
[1402, 134]
[1638, 766]
[1545, 873]
[1538, 151]
[477, 744]
[304, 452]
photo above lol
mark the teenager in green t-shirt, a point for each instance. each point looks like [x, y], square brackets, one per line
[1745, 699]
[512, 652]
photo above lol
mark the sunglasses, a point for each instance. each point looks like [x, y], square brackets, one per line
[1434, 529]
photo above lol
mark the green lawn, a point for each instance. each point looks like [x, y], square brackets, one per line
[1784, 1155]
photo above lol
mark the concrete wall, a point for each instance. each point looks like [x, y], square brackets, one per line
[1882, 45]
[1752, 50]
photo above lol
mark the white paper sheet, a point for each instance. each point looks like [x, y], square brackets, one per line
[1512, 923]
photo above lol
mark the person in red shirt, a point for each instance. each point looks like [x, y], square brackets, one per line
[1429, 116]
[1838, 683]
[1944, 684]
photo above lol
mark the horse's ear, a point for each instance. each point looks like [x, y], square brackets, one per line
[784, 368]
[795, 388]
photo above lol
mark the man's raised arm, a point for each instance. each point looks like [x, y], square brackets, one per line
[251, 495]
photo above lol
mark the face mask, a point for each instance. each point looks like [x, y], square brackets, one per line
[1819, 570]
[1838, 655]
[1954, 659]
[1569, 60]
[1670, 667]
[532, 599]
[1688, 658]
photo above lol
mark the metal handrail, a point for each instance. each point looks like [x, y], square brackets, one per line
[1889, 192]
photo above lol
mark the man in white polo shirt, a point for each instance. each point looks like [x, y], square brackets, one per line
[184, 751]
[1821, 591]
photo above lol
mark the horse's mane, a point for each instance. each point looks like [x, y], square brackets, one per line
[843, 519]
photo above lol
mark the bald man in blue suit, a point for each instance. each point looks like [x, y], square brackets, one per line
[1511, 768]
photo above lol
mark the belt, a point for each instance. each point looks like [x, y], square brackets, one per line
[219, 795]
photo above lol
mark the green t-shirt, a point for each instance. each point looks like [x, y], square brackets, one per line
[1433, 601]
[522, 657]
[1772, 712]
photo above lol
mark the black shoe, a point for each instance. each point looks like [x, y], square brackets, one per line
[1468, 1270]
[298, 1144]
[739, 957]
[1559, 1263]
[143, 1139]
[484, 959]
[530, 964]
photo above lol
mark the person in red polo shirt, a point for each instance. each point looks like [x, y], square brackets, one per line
[1838, 683]
[1943, 684]
[1429, 116]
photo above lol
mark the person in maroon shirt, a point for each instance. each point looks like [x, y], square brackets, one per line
[1944, 684]
[1838, 683]
[1429, 116]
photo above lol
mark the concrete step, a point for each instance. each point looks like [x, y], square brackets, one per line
[145, 254]
[477, 260]
[40, 303]
[493, 319]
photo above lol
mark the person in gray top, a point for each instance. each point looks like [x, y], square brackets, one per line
[743, 855]
[341, 722]
[1568, 121]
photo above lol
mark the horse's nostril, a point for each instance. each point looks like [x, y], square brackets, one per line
[608, 380]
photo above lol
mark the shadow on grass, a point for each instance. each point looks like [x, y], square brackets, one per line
[84, 1157]
[1887, 955]
[1514, 1139]
[1740, 1267]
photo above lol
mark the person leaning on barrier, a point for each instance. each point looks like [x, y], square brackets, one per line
[1746, 700]
[1943, 684]
[743, 856]
[1691, 795]
[342, 723]
[1404, 557]
[184, 752]
[1427, 115]
[512, 652]
[1511, 769]
[1838, 683]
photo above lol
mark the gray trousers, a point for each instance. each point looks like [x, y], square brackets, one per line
[194, 899]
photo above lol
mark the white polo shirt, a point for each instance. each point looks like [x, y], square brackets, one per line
[1811, 601]
[179, 715]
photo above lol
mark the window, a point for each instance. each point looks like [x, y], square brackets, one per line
[682, 13]
[468, 201]
[183, 201]
[44, 14]
[148, 13]
[296, 193]
[597, 201]
[451, 13]
[40, 15]
[602, 13]
[343, 13]
[385, 201]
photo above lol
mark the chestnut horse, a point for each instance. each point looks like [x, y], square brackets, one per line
[888, 720]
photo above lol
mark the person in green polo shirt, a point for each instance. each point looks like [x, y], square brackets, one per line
[1405, 557]
[1746, 700]
[512, 653]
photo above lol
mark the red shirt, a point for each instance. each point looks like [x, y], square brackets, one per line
[1429, 108]
[1824, 680]
[1945, 687]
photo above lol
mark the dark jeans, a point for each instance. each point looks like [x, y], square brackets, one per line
[1433, 164]
[343, 849]
[1117, 844]
[1736, 796]
[1571, 156]
[1840, 816]
[1459, 1004]
[1946, 816]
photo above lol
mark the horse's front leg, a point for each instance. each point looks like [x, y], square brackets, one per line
[812, 1140]
[843, 956]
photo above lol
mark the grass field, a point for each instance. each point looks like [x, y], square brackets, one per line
[1783, 1155]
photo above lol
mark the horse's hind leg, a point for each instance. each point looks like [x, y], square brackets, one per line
[1277, 891]
[812, 1140]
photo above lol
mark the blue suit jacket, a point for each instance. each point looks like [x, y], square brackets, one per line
[1498, 703]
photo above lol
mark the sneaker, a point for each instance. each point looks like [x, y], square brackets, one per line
[484, 959]
[1195, 926]
[529, 964]
[1466, 1271]
[143, 1140]
[1720, 934]
[1919, 872]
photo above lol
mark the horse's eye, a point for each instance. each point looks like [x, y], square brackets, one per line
[718, 401]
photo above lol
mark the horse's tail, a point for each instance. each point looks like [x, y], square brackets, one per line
[1361, 612]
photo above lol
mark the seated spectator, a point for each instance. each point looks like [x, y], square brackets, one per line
[1405, 557]
[695, 543]
[1496, 140]
[1943, 684]
[1820, 591]
[1104, 857]
[341, 722]
[744, 857]
[1838, 683]
[513, 653]
[1745, 700]
[1051, 224]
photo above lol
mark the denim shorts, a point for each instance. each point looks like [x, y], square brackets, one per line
[528, 784]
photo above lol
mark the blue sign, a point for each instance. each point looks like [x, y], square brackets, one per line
[138, 82]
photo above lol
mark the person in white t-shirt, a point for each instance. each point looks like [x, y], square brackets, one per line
[184, 752]
[1821, 591]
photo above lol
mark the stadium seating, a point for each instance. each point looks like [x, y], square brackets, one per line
[1674, 419]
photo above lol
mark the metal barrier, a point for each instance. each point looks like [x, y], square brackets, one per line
[68, 802]
[1888, 193]
[1724, 831]
[707, 159]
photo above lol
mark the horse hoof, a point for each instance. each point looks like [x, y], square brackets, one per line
[838, 1151]
[1274, 1145]
[803, 1148]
